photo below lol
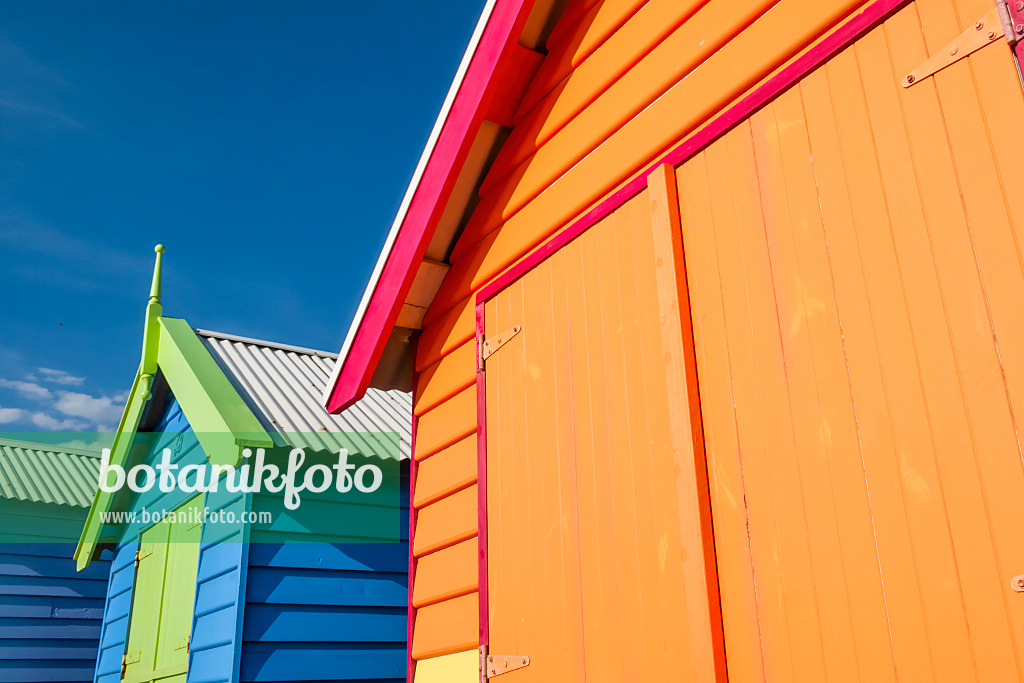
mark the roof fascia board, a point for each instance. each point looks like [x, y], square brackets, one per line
[123, 438]
[461, 114]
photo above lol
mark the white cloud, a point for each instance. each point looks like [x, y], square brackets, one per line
[100, 410]
[60, 377]
[45, 421]
[29, 389]
[8, 415]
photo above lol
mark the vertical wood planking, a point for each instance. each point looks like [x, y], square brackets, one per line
[869, 230]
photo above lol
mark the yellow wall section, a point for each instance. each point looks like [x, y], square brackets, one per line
[460, 667]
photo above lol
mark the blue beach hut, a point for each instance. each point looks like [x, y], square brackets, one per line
[193, 598]
[50, 615]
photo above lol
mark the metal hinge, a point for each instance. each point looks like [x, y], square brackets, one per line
[142, 553]
[994, 25]
[496, 665]
[489, 346]
[1017, 583]
[130, 658]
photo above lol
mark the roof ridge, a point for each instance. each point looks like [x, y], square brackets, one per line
[210, 334]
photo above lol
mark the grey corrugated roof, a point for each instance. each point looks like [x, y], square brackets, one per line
[41, 473]
[283, 384]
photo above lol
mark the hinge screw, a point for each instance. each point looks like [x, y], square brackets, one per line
[991, 35]
[910, 78]
[1019, 28]
[1020, 583]
[1020, 6]
[980, 25]
[952, 50]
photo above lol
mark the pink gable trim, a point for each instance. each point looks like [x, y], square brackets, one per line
[854, 27]
[467, 112]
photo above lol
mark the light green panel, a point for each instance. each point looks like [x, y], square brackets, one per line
[163, 599]
[217, 414]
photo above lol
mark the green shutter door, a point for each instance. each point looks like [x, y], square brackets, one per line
[164, 598]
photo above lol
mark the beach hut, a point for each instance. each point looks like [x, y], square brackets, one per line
[50, 614]
[214, 584]
[711, 312]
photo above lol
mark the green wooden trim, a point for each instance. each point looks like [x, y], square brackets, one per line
[220, 418]
[123, 438]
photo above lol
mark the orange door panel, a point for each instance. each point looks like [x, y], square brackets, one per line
[855, 261]
[595, 562]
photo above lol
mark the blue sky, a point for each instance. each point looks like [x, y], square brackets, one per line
[266, 144]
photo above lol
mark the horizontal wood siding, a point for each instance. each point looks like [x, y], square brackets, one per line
[318, 612]
[116, 611]
[220, 586]
[171, 425]
[622, 82]
[575, 168]
[50, 615]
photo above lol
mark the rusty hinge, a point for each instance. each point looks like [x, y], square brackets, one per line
[994, 25]
[1017, 583]
[496, 665]
[143, 552]
[133, 657]
[489, 346]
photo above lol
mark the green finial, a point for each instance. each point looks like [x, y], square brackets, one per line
[154, 293]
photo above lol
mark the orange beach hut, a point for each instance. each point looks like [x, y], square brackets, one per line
[712, 312]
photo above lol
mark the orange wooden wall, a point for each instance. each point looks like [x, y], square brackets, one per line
[596, 563]
[855, 271]
[623, 81]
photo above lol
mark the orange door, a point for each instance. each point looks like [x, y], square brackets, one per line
[596, 569]
[855, 258]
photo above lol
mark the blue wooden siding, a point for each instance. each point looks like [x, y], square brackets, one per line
[311, 612]
[114, 635]
[50, 615]
[170, 426]
[319, 612]
[217, 625]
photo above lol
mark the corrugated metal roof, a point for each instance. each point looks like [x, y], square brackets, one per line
[283, 385]
[41, 473]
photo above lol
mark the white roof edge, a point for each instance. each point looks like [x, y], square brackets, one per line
[260, 342]
[428, 150]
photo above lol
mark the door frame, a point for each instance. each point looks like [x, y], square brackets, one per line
[827, 47]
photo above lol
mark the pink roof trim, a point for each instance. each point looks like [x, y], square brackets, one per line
[411, 234]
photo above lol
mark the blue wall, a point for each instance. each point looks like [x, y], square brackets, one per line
[271, 611]
[214, 643]
[318, 612]
[115, 615]
[50, 615]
